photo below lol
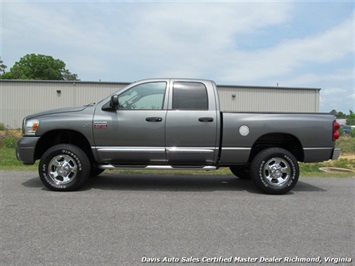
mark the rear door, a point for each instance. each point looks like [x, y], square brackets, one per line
[191, 124]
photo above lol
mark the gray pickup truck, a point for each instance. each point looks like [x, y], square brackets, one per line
[174, 124]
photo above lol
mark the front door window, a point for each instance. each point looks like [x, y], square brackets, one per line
[147, 96]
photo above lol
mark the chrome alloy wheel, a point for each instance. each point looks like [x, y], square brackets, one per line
[62, 169]
[276, 171]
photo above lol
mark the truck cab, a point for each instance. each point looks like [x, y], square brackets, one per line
[159, 122]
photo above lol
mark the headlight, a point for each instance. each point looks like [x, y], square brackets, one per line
[31, 126]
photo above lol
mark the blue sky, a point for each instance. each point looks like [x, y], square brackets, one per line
[292, 43]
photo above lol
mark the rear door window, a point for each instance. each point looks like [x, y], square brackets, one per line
[189, 96]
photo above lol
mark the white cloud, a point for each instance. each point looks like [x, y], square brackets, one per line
[125, 41]
[334, 91]
[292, 54]
[188, 39]
[55, 29]
[318, 79]
[185, 39]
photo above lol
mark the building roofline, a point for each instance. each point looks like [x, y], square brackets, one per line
[127, 83]
[268, 87]
[62, 81]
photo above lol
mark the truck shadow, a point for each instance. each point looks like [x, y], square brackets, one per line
[198, 183]
[306, 187]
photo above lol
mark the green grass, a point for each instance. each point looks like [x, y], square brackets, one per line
[9, 162]
[312, 170]
[347, 144]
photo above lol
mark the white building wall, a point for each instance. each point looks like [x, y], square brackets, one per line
[21, 98]
[268, 99]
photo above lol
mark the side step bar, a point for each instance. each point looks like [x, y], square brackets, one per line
[157, 167]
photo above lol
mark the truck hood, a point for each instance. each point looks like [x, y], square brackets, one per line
[59, 111]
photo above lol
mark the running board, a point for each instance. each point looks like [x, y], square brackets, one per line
[157, 167]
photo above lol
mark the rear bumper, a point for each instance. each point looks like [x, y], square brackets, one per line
[336, 153]
[320, 154]
[25, 150]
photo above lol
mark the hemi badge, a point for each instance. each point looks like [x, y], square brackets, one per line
[100, 124]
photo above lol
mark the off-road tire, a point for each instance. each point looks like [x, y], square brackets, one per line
[274, 171]
[64, 167]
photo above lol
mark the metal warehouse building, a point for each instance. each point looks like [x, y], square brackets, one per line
[19, 98]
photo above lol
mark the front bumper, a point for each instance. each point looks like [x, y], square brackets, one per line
[25, 150]
[336, 153]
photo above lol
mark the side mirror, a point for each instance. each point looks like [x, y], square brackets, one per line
[112, 105]
[114, 101]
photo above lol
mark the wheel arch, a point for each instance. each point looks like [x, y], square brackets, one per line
[56, 137]
[280, 140]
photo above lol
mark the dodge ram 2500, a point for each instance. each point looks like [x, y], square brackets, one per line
[174, 124]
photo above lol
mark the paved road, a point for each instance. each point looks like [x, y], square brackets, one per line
[129, 219]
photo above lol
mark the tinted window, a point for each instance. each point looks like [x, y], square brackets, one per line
[190, 96]
[147, 96]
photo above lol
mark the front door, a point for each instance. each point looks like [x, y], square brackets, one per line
[135, 132]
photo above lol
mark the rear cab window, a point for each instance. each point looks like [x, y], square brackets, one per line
[189, 96]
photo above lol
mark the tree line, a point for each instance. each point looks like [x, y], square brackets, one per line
[350, 118]
[37, 67]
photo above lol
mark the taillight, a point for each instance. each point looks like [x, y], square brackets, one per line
[336, 127]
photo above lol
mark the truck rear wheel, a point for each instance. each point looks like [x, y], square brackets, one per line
[274, 171]
[64, 167]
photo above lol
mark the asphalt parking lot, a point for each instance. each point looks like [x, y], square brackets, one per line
[184, 220]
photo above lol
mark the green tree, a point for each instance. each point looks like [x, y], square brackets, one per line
[334, 112]
[39, 67]
[69, 76]
[350, 118]
[339, 115]
[2, 66]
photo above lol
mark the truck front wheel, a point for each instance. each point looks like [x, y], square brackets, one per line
[274, 171]
[64, 167]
